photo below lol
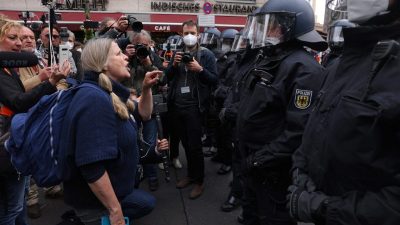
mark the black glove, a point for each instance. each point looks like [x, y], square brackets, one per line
[260, 159]
[307, 206]
[302, 180]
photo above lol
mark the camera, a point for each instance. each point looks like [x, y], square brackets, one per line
[187, 57]
[90, 24]
[141, 51]
[64, 34]
[136, 25]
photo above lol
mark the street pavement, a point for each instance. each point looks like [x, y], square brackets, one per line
[173, 205]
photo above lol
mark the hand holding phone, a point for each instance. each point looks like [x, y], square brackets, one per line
[105, 220]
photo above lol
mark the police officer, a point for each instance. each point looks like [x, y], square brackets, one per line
[277, 99]
[244, 59]
[225, 78]
[210, 39]
[347, 169]
[335, 40]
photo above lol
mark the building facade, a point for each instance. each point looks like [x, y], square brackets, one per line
[160, 17]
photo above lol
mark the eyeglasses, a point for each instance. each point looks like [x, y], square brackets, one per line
[54, 36]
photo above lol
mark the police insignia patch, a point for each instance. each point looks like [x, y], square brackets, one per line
[302, 99]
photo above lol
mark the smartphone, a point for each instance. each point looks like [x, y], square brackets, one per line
[63, 54]
[106, 221]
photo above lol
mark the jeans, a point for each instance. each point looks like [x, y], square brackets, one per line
[149, 132]
[12, 200]
[135, 205]
[22, 218]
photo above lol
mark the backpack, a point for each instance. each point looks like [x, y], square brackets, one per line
[34, 144]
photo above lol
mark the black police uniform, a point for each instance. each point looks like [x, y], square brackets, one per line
[225, 66]
[350, 147]
[277, 99]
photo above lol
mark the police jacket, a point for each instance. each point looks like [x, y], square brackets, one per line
[203, 80]
[244, 62]
[226, 73]
[350, 147]
[278, 97]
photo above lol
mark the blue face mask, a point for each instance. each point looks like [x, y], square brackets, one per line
[360, 11]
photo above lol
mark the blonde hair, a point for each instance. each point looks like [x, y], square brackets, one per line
[94, 59]
[6, 25]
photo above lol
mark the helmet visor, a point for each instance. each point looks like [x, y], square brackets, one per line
[248, 30]
[337, 5]
[272, 29]
[208, 39]
[335, 37]
[239, 43]
[175, 41]
[225, 44]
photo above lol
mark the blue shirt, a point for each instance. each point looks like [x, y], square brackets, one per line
[97, 134]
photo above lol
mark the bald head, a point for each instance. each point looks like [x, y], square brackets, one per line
[27, 38]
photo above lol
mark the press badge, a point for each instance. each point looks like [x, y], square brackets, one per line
[185, 90]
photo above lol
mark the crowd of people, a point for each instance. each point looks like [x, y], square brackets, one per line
[306, 140]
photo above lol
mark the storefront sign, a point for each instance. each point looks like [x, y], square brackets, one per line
[218, 8]
[166, 28]
[233, 8]
[80, 5]
[175, 6]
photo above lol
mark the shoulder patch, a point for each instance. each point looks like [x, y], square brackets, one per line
[302, 99]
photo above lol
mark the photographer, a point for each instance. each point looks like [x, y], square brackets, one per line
[141, 61]
[109, 28]
[191, 75]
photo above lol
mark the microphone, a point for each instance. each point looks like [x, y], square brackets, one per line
[17, 59]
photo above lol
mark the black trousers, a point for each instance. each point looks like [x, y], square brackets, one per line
[225, 142]
[173, 137]
[264, 195]
[186, 122]
[237, 182]
[263, 205]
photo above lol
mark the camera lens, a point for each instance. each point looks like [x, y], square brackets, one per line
[187, 58]
[136, 25]
[141, 51]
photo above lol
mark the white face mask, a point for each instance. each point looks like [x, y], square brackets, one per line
[360, 11]
[69, 44]
[190, 40]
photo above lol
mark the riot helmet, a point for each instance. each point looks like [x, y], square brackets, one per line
[335, 33]
[174, 42]
[210, 37]
[226, 40]
[245, 37]
[239, 43]
[273, 28]
[360, 11]
[287, 20]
